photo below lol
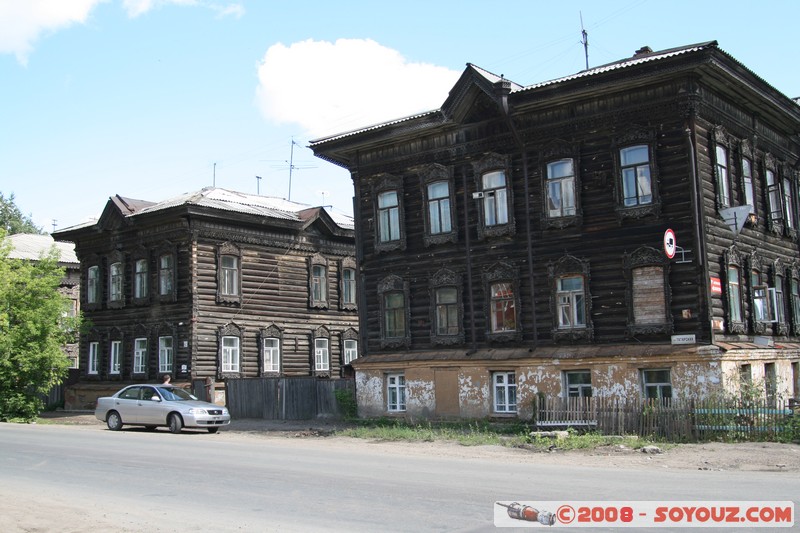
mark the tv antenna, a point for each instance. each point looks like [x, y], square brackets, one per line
[258, 185]
[293, 167]
[584, 41]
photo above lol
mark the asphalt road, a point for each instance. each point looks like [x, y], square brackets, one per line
[83, 479]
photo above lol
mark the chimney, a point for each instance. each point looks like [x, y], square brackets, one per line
[643, 51]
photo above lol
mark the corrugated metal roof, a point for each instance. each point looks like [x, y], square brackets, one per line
[31, 247]
[252, 204]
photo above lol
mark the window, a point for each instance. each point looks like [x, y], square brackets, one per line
[649, 297]
[115, 282]
[762, 310]
[788, 204]
[747, 179]
[734, 295]
[140, 279]
[166, 274]
[657, 384]
[447, 321]
[571, 308]
[561, 188]
[229, 275]
[745, 378]
[396, 392]
[319, 284]
[502, 307]
[505, 392]
[439, 208]
[723, 183]
[272, 354]
[795, 289]
[388, 217]
[139, 355]
[770, 383]
[230, 354]
[94, 356]
[779, 314]
[348, 286]
[579, 383]
[165, 354]
[114, 359]
[93, 285]
[637, 187]
[394, 314]
[774, 205]
[795, 387]
[322, 356]
[495, 198]
[350, 351]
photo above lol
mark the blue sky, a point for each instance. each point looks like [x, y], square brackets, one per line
[149, 99]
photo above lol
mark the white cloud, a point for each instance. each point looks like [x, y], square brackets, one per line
[329, 88]
[134, 8]
[22, 22]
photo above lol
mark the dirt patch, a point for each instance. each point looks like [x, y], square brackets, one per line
[746, 456]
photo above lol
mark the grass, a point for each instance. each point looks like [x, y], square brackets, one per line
[482, 433]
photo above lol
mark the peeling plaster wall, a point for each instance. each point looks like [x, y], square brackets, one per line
[420, 394]
[370, 394]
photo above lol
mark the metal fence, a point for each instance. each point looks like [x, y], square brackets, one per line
[672, 419]
[294, 398]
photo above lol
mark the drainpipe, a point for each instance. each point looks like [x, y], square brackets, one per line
[700, 234]
[468, 253]
[502, 90]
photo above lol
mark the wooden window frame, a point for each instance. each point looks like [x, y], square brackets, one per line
[445, 205]
[488, 164]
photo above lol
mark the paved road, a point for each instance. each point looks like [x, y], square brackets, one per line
[86, 479]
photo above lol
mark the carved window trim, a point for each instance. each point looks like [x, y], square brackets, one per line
[564, 267]
[167, 249]
[270, 332]
[141, 332]
[115, 270]
[322, 334]
[115, 336]
[318, 284]
[747, 154]
[230, 330]
[430, 175]
[393, 284]
[721, 164]
[734, 260]
[773, 197]
[445, 278]
[229, 249]
[757, 268]
[788, 181]
[777, 277]
[629, 140]
[345, 265]
[93, 265]
[647, 256]
[490, 163]
[554, 152]
[388, 183]
[502, 273]
[140, 256]
[348, 335]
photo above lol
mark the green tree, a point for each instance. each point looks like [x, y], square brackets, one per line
[34, 326]
[12, 220]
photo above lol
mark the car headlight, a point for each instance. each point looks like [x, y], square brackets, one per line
[197, 411]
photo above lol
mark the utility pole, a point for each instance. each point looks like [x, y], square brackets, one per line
[584, 41]
[258, 185]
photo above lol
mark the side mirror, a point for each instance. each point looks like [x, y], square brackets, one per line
[155, 398]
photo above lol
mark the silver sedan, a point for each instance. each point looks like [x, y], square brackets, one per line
[156, 405]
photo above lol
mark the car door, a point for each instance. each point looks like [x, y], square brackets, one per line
[151, 412]
[127, 404]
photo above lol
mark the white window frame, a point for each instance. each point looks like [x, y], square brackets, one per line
[139, 355]
[723, 182]
[322, 354]
[94, 357]
[272, 354]
[93, 284]
[735, 294]
[166, 353]
[319, 284]
[114, 357]
[230, 353]
[389, 216]
[229, 275]
[571, 304]
[747, 178]
[788, 204]
[495, 198]
[348, 286]
[166, 274]
[395, 392]
[439, 215]
[115, 282]
[636, 174]
[561, 189]
[350, 351]
[504, 387]
[140, 279]
[774, 204]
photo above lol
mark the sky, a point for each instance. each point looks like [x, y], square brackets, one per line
[149, 99]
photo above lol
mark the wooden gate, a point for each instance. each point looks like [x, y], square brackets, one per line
[295, 398]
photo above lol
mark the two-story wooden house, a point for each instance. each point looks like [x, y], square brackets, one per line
[213, 284]
[628, 231]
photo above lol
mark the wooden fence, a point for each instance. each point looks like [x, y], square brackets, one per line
[672, 419]
[295, 398]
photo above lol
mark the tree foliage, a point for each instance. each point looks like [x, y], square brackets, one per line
[34, 326]
[12, 220]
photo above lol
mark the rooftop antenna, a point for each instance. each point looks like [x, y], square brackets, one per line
[292, 167]
[54, 224]
[214, 183]
[258, 185]
[584, 41]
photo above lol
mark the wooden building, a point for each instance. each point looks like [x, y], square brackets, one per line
[627, 231]
[213, 284]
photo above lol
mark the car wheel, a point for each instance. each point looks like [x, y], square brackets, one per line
[114, 421]
[175, 423]
[213, 430]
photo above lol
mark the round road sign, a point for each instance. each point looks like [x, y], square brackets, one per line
[669, 243]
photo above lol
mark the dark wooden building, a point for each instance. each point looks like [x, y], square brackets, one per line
[213, 284]
[627, 231]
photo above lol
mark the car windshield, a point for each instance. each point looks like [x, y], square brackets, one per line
[174, 394]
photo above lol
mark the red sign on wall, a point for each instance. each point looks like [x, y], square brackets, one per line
[716, 286]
